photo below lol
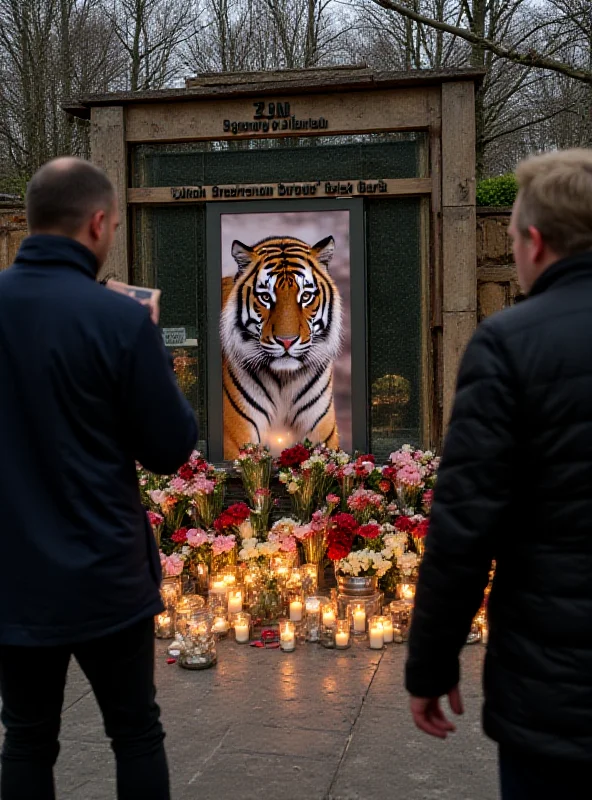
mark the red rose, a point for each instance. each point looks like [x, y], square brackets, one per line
[422, 529]
[180, 535]
[384, 486]
[344, 522]
[294, 456]
[186, 473]
[232, 517]
[363, 459]
[370, 531]
[404, 524]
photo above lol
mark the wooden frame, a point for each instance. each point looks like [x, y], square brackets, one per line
[332, 102]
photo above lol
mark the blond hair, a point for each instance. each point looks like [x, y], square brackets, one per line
[555, 196]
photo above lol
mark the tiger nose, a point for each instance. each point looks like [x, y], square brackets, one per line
[286, 341]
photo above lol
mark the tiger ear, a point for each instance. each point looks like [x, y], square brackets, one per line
[324, 250]
[242, 254]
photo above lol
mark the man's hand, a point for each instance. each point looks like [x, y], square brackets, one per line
[428, 715]
[146, 297]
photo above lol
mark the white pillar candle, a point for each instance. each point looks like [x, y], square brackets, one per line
[376, 637]
[218, 587]
[288, 640]
[329, 618]
[241, 630]
[342, 638]
[359, 620]
[387, 628]
[296, 610]
[229, 580]
[235, 602]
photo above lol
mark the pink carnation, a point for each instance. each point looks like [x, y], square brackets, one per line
[196, 537]
[171, 565]
[155, 519]
[332, 499]
[222, 544]
[177, 484]
[401, 458]
[202, 485]
[303, 532]
[409, 476]
[158, 497]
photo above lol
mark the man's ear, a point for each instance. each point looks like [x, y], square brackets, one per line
[97, 225]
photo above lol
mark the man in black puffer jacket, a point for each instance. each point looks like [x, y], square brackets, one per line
[86, 389]
[515, 485]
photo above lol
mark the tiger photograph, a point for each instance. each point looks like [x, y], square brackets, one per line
[283, 334]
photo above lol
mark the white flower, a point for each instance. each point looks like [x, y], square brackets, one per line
[246, 530]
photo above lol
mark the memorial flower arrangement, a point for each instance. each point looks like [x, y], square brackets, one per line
[369, 520]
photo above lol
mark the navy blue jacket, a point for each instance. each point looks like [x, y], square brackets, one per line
[86, 389]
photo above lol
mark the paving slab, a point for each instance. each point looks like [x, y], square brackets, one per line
[315, 724]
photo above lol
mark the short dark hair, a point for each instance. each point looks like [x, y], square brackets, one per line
[64, 193]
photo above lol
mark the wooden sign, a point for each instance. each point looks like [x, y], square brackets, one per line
[389, 187]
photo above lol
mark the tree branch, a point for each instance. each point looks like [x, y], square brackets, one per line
[529, 59]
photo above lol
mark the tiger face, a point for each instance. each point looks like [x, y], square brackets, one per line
[284, 305]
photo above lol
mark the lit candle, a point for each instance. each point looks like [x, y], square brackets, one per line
[220, 625]
[328, 617]
[296, 610]
[376, 636]
[288, 641]
[241, 631]
[341, 638]
[229, 580]
[235, 602]
[359, 619]
[387, 628]
[407, 591]
[218, 587]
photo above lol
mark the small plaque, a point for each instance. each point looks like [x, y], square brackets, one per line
[173, 337]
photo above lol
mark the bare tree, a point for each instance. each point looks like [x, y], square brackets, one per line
[151, 33]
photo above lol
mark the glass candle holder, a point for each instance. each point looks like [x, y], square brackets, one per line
[230, 574]
[375, 633]
[198, 650]
[294, 582]
[310, 579]
[287, 635]
[185, 608]
[387, 627]
[401, 611]
[200, 574]
[164, 625]
[405, 591]
[358, 618]
[312, 618]
[295, 606]
[328, 615]
[342, 634]
[220, 625]
[242, 628]
[217, 585]
[235, 601]
[171, 590]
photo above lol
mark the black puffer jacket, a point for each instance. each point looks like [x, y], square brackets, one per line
[515, 485]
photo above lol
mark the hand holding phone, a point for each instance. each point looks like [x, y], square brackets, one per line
[143, 295]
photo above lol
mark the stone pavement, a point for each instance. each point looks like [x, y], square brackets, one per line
[315, 724]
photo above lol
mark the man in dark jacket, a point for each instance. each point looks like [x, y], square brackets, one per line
[515, 486]
[86, 390]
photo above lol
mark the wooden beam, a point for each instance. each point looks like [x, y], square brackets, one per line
[356, 112]
[108, 150]
[458, 327]
[162, 195]
[458, 144]
[459, 255]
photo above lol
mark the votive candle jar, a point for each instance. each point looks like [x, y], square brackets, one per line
[287, 635]
[376, 633]
[242, 627]
[342, 634]
[164, 625]
[401, 611]
[171, 591]
[310, 579]
[387, 627]
[295, 606]
[358, 614]
[198, 646]
[312, 619]
[235, 601]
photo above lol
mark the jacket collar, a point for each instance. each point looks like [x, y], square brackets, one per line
[58, 251]
[567, 269]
